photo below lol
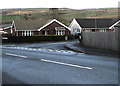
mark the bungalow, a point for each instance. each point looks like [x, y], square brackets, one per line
[38, 27]
[92, 25]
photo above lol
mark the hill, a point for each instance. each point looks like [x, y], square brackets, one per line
[65, 15]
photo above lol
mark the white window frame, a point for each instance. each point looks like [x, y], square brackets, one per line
[60, 30]
[30, 33]
[46, 32]
[27, 33]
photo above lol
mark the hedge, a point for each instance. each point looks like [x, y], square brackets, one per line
[22, 39]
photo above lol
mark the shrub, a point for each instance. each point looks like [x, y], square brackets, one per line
[36, 38]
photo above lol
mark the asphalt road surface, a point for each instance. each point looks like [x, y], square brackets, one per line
[51, 63]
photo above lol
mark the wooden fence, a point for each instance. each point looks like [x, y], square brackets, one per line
[101, 40]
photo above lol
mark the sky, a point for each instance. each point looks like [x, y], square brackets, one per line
[73, 4]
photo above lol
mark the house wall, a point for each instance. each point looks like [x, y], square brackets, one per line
[101, 40]
[52, 30]
[74, 26]
[36, 33]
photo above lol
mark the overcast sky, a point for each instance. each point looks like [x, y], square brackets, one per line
[74, 4]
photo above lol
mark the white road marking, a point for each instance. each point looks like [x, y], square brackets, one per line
[49, 49]
[29, 48]
[25, 48]
[72, 65]
[62, 50]
[16, 55]
[34, 49]
[57, 51]
[39, 49]
[42, 49]
[18, 47]
[70, 51]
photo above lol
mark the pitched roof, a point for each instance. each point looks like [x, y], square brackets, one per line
[96, 23]
[34, 24]
[29, 24]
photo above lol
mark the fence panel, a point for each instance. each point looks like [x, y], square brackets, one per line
[101, 40]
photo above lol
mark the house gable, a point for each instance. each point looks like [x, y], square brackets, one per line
[74, 26]
[54, 29]
[55, 23]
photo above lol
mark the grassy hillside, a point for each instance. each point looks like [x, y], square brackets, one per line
[66, 15]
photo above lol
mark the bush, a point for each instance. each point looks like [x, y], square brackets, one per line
[22, 39]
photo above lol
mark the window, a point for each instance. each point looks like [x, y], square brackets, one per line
[60, 30]
[27, 33]
[46, 32]
[102, 30]
[86, 30]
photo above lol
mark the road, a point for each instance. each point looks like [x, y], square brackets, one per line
[51, 63]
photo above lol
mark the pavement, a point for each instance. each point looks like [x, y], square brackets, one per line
[78, 47]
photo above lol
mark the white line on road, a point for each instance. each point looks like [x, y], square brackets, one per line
[72, 65]
[16, 55]
[41, 49]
